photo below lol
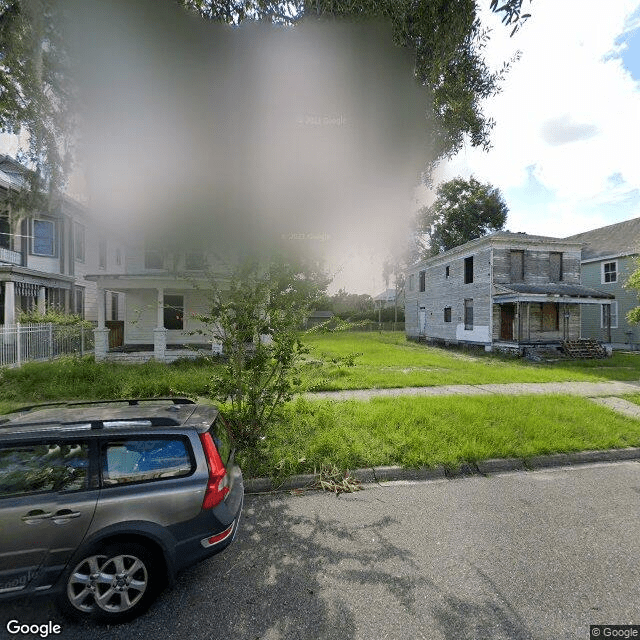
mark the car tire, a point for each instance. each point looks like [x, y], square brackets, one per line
[113, 583]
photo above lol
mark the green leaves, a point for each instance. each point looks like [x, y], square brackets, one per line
[463, 211]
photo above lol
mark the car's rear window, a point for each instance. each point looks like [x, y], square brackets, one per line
[130, 460]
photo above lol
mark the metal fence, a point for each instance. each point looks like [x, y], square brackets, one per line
[31, 342]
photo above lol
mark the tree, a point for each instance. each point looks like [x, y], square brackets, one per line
[634, 283]
[35, 94]
[257, 320]
[463, 210]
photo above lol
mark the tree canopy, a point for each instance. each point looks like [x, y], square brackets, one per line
[463, 210]
[36, 95]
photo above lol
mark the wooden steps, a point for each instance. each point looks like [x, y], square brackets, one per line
[587, 348]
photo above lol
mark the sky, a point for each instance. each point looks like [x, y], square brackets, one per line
[565, 145]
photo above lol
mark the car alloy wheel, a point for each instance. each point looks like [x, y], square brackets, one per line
[114, 583]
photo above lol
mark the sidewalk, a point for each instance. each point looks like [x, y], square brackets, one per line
[585, 389]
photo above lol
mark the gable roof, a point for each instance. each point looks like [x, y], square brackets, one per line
[620, 239]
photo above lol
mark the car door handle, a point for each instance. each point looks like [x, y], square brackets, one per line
[62, 516]
[33, 517]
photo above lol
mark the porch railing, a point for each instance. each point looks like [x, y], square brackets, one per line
[12, 257]
[32, 342]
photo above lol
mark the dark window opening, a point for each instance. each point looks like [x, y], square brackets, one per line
[468, 315]
[174, 312]
[446, 271]
[5, 232]
[153, 259]
[468, 270]
[195, 261]
[422, 280]
[447, 314]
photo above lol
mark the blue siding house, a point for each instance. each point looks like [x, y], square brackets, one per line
[609, 256]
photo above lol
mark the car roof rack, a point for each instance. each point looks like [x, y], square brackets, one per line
[131, 401]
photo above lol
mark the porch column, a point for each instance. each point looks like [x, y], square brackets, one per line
[42, 301]
[9, 303]
[101, 334]
[160, 333]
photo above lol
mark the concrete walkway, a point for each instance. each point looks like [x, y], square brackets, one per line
[585, 389]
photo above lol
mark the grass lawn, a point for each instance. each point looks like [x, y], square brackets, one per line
[387, 360]
[415, 432]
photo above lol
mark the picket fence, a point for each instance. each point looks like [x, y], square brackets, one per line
[21, 343]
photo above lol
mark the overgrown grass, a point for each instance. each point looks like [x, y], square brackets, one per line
[415, 432]
[82, 378]
[364, 360]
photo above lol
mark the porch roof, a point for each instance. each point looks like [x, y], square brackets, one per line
[576, 293]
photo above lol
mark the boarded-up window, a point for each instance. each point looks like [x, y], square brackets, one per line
[549, 317]
[468, 314]
[447, 314]
[555, 266]
[468, 270]
[421, 280]
[517, 266]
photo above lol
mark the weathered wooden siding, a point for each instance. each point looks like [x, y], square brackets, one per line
[537, 265]
[442, 291]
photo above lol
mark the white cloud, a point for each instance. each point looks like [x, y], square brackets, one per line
[570, 109]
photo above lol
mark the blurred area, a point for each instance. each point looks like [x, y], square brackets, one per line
[245, 138]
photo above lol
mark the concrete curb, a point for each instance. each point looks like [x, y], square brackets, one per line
[440, 472]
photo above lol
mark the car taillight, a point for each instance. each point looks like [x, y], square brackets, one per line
[218, 484]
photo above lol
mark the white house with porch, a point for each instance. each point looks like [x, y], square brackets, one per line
[164, 291]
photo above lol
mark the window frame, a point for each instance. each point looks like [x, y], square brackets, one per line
[102, 254]
[54, 236]
[422, 281]
[172, 307]
[447, 314]
[556, 325]
[520, 275]
[560, 266]
[468, 270]
[468, 326]
[614, 305]
[604, 274]
[79, 242]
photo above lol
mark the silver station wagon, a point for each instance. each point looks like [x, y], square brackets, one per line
[102, 503]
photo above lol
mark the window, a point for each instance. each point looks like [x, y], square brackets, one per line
[114, 306]
[555, 266]
[138, 460]
[79, 302]
[102, 254]
[173, 312]
[412, 283]
[36, 468]
[195, 261]
[446, 271]
[550, 317]
[468, 315]
[5, 232]
[609, 314]
[468, 270]
[43, 241]
[609, 272]
[447, 314]
[153, 259]
[517, 266]
[118, 256]
[422, 280]
[78, 241]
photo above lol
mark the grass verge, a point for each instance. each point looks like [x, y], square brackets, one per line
[365, 360]
[416, 432]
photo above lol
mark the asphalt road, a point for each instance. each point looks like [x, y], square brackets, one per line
[518, 556]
